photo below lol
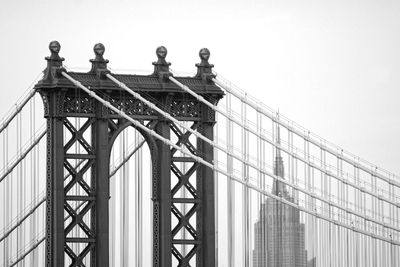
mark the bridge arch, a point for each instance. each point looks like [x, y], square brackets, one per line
[131, 193]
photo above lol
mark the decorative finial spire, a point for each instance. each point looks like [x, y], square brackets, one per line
[99, 63]
[54, 60]
[99, 50]
[161, 67]
[204, 68]
[204, 55]
[161, 52]
[54, 64]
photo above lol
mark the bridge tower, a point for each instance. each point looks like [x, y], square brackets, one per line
[64, 102]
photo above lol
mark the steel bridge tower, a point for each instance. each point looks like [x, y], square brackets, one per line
[63, 102]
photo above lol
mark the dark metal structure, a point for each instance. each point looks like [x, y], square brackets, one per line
[63, 102]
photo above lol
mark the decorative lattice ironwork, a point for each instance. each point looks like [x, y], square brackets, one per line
[79, 191]
[187, 207]
[78, 104]
[185, 108]
[132, 106]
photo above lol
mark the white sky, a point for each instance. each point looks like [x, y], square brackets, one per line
[331, 67]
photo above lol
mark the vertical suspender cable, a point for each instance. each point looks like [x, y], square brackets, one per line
[307, 201]
[262, 204]
[22, 190]
[122, 203]
[5, 197]
[314, 219]
[358, 208]
[261, 181]
[18, 187]
[126, 202]
[125, 206]
[231, 189]
[40, 219]
[216, 188]
[331, 248]
[338, 229]
[266, 238]
[64, 75]
[139, 202]
[323, 233]
[119, 221]
[200, 98]
[246, 206]
[34, 178]
[392, 221]
[150, 167]
[112, 213]
[32, 181]
[373, 241]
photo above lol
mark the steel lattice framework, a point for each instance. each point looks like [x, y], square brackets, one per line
[253, 188]
[63, 102]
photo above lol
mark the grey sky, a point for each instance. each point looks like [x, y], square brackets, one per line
[332, 67]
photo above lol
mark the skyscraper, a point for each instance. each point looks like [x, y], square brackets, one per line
[279, 234]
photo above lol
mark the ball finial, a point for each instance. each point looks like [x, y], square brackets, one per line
[204, 54]
[98, 63]
[54, 47]
[204, 68]
[161, 52]
[99, 49]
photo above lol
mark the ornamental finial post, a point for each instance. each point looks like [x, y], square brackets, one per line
[54, 59]
[161, 67]
[98, 63]
[54, 63]
[204, 68]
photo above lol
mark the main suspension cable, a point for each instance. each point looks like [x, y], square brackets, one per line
[213, 167]
[280, 147]
[230, 153]
[306, 137]
[19, 106]
[276, 177]
[23, 154]
[43, 199]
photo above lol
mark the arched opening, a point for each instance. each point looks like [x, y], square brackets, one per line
[131, 207]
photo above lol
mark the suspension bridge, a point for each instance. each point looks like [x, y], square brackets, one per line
[101, 168]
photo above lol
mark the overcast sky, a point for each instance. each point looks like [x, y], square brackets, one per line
[333, 67]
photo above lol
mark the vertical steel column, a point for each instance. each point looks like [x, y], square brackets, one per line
[52, 96]
[55, 238]
[62, 239]
[100, 213]
[163, 207]
[205, 186]
[64, 101]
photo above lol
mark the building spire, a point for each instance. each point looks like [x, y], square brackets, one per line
[278, 141]
[279, 169]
